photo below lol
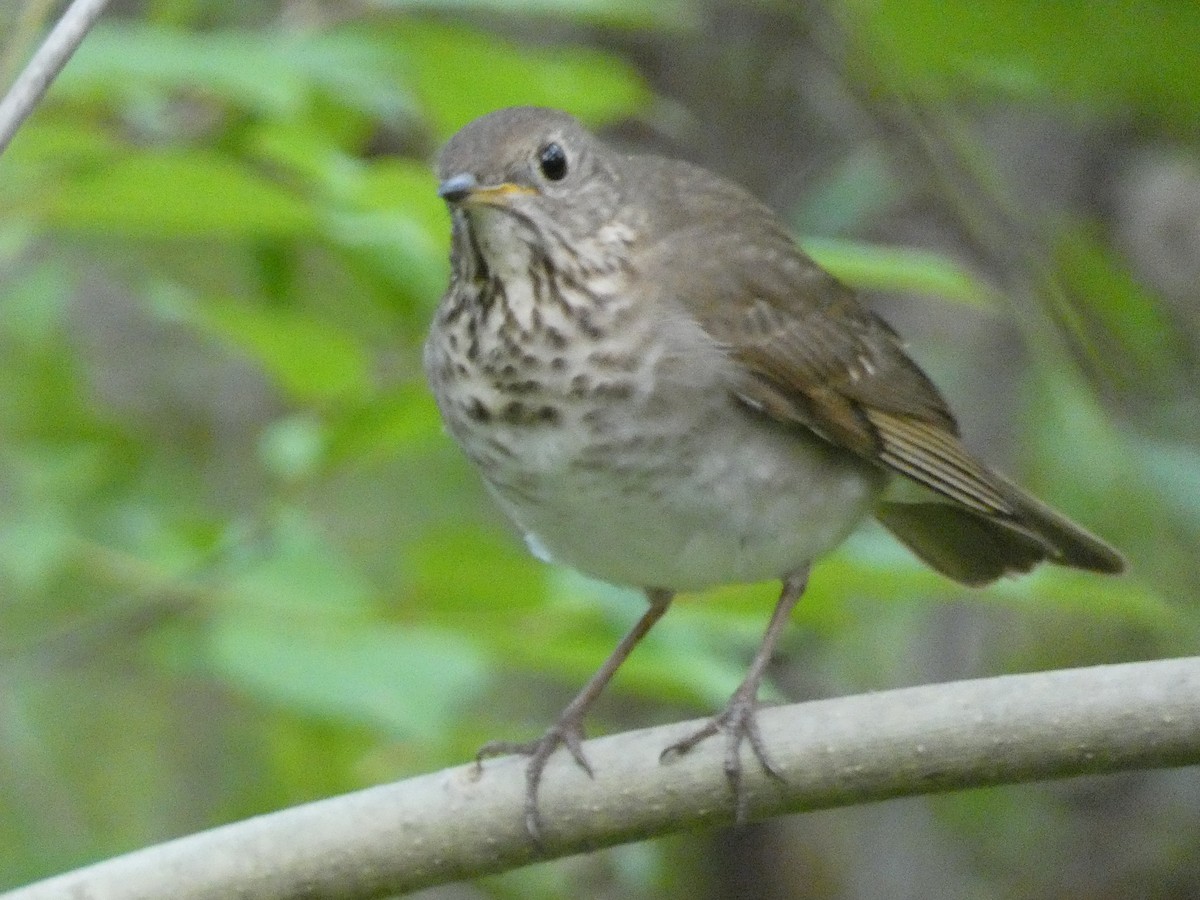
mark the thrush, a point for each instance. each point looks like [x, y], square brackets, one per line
[661, 390]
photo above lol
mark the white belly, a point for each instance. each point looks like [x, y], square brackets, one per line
[736, 501]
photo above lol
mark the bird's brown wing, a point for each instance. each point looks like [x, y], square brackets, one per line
[831, 365]
[806, 353]
[805, 350]
[824, 362]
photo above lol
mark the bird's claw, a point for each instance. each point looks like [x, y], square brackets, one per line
[563, 733]
[739, 721]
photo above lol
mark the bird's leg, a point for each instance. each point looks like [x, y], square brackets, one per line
[567, 731]
[738, 719]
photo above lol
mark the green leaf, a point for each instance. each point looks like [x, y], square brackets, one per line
[397, 244]
[1110, 315]
[241, 67]
[484, 574]
[890, 269]
[395, 422]
[309, 357]
[293, 574]
[461, 74]
[1102, 52]
[172, 194]
[385, 211]
[1086, 594]
[65, 142]
[399, 223]
[1073, 445]
[275, 74]
[670, 14]
[410, 682]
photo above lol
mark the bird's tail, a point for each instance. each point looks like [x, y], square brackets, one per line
[976, 549]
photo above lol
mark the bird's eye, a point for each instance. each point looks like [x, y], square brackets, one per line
[552, 160]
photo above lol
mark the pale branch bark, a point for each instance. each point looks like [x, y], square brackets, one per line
[30, 86]
[452, 825]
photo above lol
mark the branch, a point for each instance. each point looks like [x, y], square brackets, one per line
[451, 825]
[64, 39]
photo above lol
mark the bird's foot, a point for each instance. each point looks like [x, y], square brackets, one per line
[566, 732]
[739, 721]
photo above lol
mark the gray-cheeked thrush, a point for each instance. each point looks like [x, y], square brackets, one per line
[662, 391]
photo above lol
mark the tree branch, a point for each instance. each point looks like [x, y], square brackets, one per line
[64, 39]
[452, 825]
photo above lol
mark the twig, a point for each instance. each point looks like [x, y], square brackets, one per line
[450, 825]
[64, 39]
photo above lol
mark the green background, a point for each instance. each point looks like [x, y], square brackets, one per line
[242, 567]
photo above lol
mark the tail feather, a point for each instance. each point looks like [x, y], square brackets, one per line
[1073, 545]
[976, 549]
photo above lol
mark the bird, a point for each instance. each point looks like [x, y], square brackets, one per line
[662, 391]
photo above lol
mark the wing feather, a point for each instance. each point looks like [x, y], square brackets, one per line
[806, 353]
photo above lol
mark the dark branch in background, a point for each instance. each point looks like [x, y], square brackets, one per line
[450, 825]
[1011, 240]
[30, 86]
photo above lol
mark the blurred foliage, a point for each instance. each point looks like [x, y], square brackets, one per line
[241, 567]
[1110, 56]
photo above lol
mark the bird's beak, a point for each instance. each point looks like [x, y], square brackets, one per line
[465, 188]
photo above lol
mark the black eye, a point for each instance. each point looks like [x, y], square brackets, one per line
[552, 160]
